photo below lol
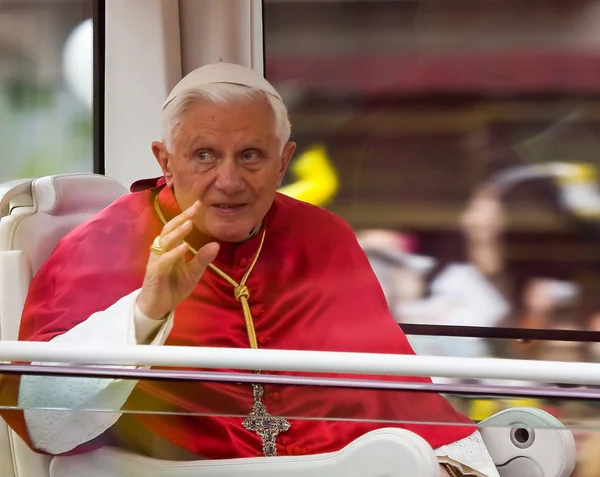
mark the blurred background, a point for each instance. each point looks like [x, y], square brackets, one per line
[465, 139]
[45, 82]
[464, 135]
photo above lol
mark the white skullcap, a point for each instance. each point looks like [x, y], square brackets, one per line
[221, 73]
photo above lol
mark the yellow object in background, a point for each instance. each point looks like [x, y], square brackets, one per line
[579, 190]
[483, 408]
[316, 178]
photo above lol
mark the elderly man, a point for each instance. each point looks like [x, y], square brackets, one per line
[231, 264]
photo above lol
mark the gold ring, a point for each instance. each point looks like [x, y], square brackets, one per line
[156, 247]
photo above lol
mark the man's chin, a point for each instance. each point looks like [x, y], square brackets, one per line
[230, 234]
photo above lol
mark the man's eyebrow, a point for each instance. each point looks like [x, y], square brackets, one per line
[195, 138]
[253, 145]
[244, 144]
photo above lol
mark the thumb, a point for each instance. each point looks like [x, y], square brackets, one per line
[204, 256]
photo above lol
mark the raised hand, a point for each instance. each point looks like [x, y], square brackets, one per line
[169, 278]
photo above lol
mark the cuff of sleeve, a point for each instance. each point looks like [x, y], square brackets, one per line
[146, 327]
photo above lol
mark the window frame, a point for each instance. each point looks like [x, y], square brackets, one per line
[99, 28]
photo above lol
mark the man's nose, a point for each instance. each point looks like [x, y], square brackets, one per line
[229, 178]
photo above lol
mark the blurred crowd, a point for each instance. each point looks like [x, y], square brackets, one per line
[478, 292]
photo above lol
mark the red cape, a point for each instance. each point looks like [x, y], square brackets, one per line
[312, 289]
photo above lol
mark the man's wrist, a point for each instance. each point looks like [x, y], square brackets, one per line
[145, 327]
[148, 312]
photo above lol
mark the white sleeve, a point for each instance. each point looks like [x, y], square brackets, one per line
[56, 431]
[469, 455]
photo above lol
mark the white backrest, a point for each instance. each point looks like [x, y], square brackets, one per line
[58, 204]
[39, 213]
[35, 215]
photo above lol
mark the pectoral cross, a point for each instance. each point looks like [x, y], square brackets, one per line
[262, 423]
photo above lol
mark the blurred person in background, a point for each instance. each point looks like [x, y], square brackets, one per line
[549, 304]
[463, 294]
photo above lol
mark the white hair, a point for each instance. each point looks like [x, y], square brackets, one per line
[221, 93]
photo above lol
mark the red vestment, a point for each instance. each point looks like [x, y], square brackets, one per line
[312, 288]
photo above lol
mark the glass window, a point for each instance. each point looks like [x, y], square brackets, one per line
[465, 137]
[45, 87]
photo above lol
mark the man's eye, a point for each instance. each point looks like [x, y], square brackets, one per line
[250, 156]
[204, 155]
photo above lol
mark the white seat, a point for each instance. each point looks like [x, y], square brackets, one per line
[37, 213]
[381, 453]
[58, 204]
[523, 442]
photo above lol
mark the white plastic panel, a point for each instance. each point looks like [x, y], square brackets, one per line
[143, 63]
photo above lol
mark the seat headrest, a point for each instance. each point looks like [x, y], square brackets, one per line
[59, 204]
[74, 193]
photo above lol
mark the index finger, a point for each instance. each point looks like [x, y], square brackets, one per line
[187, 214]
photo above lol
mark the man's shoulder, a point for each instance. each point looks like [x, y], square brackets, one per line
[325, 242]
[302, 216]
[122, 214]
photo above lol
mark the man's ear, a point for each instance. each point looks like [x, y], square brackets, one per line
[162, 157]
[286, 157]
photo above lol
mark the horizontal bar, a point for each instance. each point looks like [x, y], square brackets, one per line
[305, 361]
[479, 390]
[525, 334]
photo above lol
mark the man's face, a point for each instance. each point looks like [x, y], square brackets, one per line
[230, 159]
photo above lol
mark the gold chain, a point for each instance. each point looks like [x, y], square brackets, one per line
[240, 290]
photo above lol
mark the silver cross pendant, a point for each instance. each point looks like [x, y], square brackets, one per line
[262, 423]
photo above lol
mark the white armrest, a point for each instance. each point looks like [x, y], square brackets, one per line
[15, 276]
[529, 442]
[11, 190]
[380, 453]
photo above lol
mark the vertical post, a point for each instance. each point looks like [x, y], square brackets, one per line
[99, 24]
[143, 63]
[257, 37]
[227, 29]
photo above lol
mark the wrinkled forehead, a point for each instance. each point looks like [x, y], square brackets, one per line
[240, 120]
